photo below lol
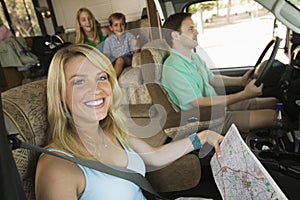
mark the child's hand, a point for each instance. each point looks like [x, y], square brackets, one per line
[134, 42]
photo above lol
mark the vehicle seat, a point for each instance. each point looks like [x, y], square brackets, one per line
[25, 112]
[174, 121]
[153, 55]
[290, 82]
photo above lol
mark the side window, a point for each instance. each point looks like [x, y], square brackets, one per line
[23, 17]
[232, 33]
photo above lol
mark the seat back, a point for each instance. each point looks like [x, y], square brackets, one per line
[153, 55]
[25, 113]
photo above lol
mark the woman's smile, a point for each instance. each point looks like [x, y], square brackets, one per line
[98, 103]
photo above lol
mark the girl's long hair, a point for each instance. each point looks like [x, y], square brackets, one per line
[81, 37]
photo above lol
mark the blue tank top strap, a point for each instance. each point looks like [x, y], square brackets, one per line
[60, 151]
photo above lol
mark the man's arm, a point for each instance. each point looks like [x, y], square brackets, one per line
[222, 80]
[250, 91]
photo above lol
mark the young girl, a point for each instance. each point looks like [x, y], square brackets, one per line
[88, 30]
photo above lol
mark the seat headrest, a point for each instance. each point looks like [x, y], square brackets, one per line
[157, 44]
[26, 107]
[158, 50]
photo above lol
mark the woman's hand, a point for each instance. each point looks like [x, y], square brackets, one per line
[213, 138]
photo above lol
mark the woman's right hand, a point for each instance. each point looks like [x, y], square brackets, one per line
[213, 138]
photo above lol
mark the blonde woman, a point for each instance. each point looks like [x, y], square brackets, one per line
[85, 122]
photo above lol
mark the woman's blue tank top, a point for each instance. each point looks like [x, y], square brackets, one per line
[99, 185]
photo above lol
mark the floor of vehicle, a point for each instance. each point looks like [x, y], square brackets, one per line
[288, 184]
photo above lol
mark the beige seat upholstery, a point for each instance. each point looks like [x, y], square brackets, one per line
[24, 110]
[153, 55]
[184, 173]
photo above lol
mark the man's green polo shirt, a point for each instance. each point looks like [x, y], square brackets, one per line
[186, 80]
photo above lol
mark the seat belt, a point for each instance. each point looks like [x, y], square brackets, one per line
[123, 173]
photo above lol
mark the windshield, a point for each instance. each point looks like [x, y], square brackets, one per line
[234, 35]
[295, 3]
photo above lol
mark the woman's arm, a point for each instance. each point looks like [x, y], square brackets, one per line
[165, 154]
[58, 179]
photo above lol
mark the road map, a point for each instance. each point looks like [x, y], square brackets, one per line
[239, 174]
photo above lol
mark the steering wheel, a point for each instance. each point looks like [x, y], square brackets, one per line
[261, 68]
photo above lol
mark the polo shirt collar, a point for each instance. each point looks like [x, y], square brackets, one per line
[181, 56]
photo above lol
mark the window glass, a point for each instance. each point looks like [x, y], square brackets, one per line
[2, 17]
[295, 2]
[233, 33]
[23, 17]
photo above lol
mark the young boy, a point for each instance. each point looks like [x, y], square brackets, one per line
[120, 45]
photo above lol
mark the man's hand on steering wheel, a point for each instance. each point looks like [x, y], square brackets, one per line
[247, 77]
[251, 90]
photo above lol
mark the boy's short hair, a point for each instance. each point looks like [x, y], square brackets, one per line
[116, 15]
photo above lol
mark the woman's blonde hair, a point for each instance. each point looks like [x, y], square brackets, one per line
[62, 130]
[80, 34]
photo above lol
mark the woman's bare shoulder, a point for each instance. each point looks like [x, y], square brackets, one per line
[55, 176]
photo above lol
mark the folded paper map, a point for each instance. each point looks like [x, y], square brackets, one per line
[239, 174]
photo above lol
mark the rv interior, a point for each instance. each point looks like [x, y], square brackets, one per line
[276, 60]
